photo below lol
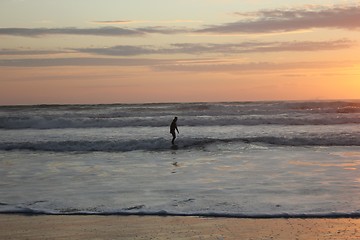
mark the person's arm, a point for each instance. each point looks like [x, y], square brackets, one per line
[177, 129]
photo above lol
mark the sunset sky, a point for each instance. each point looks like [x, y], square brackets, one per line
[120, 51]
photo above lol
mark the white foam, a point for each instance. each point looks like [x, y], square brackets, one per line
[159, 115]
[160, 144]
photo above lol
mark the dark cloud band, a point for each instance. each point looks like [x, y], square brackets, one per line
[104, 31]
[196, 48]
[285, 20]
[209, 48]
[56, 62]
[36, 32]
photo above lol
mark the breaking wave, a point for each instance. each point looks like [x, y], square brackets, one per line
[164, 213]
[40, 122]
[162, 144]
[190, 114]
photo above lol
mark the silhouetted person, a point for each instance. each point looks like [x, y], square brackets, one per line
[173, 127]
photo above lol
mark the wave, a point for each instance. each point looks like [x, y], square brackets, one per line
[327, 106]
[190, 114]
[162, 144]
[163, 213]
[41, 122]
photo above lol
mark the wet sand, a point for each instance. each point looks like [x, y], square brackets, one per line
[150, 227]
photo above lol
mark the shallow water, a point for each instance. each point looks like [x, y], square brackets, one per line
[230, 179]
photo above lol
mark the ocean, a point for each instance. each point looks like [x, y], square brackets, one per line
[233, 159]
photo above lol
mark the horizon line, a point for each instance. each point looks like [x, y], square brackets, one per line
[178, 102]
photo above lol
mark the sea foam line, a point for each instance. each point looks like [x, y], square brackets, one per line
[163, 213]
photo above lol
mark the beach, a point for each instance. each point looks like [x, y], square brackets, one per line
[153, 227]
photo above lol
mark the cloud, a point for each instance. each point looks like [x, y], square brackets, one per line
[164, 30]
[55, 62]
[177, 65]
[194, 48]
[104, 31]
[116, 22]
[286, 20]
[122, 50]
[22, 52]
[210, 48]
[36, 32]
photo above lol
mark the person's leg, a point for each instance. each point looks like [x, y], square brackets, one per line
[174, 136]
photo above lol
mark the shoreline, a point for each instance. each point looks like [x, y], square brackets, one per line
[335, 215]
[35, 226]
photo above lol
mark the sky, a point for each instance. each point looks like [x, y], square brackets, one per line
[142, 51]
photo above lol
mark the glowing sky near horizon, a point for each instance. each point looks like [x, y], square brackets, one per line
[110, 51]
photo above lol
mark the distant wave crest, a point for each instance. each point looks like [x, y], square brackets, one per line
[190, 114]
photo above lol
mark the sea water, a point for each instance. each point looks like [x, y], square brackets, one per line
[239, 159]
